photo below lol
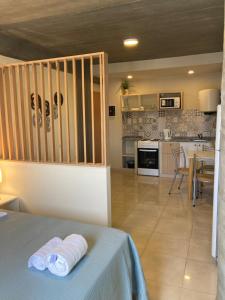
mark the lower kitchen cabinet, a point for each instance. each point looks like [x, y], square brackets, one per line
[167, 163]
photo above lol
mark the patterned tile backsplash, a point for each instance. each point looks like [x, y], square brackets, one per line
[182, 123]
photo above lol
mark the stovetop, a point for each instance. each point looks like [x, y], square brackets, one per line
[151, 140]
[146, 143]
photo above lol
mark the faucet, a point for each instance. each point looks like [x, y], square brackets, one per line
[200, 136]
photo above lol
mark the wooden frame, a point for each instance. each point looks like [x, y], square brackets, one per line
[55, 133]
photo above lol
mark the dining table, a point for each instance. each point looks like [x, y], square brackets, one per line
[205, 156]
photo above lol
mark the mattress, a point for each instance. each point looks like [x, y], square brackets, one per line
[111, 270]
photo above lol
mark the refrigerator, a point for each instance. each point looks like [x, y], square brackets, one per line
[216, 185]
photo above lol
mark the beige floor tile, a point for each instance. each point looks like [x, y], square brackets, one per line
[163, 292]
[163, 244]
[177, 228]
[201, 232]
[200, 250]
[191, 295]
[200, 277]
[141, 238]
[164, 269]
[137, 221]
[177, 213]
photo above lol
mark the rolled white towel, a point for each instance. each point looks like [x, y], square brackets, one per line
[67, 255]
[39, 259]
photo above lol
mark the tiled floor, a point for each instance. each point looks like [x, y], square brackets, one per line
[173, 239]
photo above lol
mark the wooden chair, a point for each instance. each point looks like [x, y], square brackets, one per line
[198, 180]
[178, 156]
[206, 167]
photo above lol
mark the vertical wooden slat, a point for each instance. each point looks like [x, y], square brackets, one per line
[84, 110]
[104, 96]
[22, 110]
[102, 114]
[59, 112]
[14, 106]
[92, 110]
[2, 119]
[67, 113]
[75, 111]
[29, 112]
[34, 78]
[7, 117]
[52, 130]
[42, 82]
[1, 137]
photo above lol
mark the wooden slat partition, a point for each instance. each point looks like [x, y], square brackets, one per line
[22, 110]
[43, 110]
[92, 110]
[101, 108]
[28, 112]
[5, 81]
[14, 110]
[36, 108]
[83, 110]
[52, 141]
[59, 112]
[36, 126]
[74, 84]
[68, 158]
[2, 121]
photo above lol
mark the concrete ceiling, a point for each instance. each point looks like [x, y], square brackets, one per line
[32, 29]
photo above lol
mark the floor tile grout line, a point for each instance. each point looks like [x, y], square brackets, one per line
[153, 229]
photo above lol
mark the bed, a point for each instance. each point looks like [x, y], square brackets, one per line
[111, 270]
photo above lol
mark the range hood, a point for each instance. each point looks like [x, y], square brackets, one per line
[208, 100]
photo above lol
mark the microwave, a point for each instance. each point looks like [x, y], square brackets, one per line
[170, 101]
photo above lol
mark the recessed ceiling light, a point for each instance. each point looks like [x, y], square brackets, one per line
[187, 277]
[191, 72]
[129, 76]
[132, 42]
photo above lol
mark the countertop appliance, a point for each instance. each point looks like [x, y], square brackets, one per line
[170, 101]
[167, 134]
[148, 157]
[216, 185]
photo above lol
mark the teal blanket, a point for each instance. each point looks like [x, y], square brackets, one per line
[111, 270]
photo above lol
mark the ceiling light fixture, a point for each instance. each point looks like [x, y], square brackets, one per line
[191, 72]
[129, 77]
[132, 42]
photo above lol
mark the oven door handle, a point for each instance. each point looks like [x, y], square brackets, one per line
[147, 150]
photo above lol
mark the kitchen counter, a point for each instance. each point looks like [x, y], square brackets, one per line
[175, 139]
[189, 139]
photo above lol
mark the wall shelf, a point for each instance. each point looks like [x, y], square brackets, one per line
[139, 102]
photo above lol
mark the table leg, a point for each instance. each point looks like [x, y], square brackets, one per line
[190, 179]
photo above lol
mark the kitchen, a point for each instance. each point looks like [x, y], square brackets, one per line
[139, 124]
[148, 129]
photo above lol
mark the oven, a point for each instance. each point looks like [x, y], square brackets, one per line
[148, 158]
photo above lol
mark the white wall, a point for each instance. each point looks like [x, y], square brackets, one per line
[67, 191]
[167, 63]
[189, 85]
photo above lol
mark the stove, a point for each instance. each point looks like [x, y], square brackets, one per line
[148, 157]
[154, 143]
